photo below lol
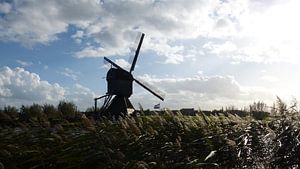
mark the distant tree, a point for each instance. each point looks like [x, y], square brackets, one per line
[67, 109]
[10, 109]
[35, 110]
[259, 110]
[33, 113]
[91, 109]
[258, 106]
[51, 112]
[4, 118]
[90, 112]
[230, 108]
[12, 112]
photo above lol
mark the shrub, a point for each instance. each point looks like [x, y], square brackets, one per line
[33, 113]
[52, 113]
[259, 115]
[12, 112]
[259, 110]
[67, 109]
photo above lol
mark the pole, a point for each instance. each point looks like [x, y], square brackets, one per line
[95, 105]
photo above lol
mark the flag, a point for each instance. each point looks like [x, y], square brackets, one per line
[157, 106]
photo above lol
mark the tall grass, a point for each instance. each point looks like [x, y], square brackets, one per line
[156, 141]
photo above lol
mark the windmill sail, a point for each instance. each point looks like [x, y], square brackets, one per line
[133, 47]
[150, 88]
[137, 53]
[113, 63]
[107, 64]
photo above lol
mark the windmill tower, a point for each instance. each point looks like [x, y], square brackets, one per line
[119, 89]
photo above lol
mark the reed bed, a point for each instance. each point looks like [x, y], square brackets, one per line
[156, 142]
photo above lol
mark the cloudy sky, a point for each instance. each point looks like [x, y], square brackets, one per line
[202, 53]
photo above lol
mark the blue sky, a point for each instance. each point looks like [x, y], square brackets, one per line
[202, 54]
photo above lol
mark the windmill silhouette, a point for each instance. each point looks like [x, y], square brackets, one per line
[119, 89]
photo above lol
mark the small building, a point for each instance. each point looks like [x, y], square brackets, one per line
[188, 111]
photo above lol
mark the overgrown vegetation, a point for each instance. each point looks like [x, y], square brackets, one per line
[50, 137]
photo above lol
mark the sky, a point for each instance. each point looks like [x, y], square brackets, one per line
[204, 54]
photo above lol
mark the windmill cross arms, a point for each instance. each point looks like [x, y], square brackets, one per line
[137, 53]
[114, 64]
[148, 88]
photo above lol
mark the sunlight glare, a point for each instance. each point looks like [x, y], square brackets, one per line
[276, 30]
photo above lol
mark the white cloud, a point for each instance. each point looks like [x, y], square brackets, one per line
[267, 32]
[200, 91]
[5, 7]
[246, 31]
[173, 54]
[70, 73]
[24, 63]
[123, 63]
[255, 51]
[78, 34]
[82, 96]
[31, 22]
[269, 78]
[114, 31]
[110, 24]
[221, 49]
[92, 51]
[18, 86]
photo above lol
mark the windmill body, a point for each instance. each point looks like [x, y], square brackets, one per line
[119, 89]
[119, 82]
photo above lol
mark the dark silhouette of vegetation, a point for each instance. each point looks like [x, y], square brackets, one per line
[67, 109]
[259, 110]
[51, 137]
[52, 113]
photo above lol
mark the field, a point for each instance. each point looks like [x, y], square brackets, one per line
[153, 141]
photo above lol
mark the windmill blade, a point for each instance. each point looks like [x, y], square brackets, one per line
[137, 53]
[113, 64]
[106, 65]
[133, 46]
[150, 88]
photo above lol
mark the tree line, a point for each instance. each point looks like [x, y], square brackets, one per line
[42, 114]
[67, 111]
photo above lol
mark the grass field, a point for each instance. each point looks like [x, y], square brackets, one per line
[155, 141]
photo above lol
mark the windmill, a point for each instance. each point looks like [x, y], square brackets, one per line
[119, 88]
